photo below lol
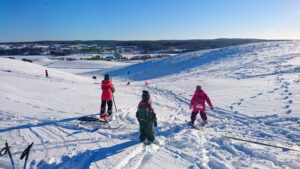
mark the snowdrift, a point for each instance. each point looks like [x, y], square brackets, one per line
[250, 56]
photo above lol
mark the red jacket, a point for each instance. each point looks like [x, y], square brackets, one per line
[107, 89]
[198, 101]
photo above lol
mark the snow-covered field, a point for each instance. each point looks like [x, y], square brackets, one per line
[254, 88]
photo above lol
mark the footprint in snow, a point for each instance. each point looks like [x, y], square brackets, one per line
[290, 94]
[6, 98]
[16, 101]
[290, 101]
[289, 112]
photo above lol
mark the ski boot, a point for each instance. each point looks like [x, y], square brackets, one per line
[148, 142]
[204, 123]
[103, 117]
[191, 123]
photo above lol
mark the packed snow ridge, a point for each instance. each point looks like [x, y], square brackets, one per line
[254, 88]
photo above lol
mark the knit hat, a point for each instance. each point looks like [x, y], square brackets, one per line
[106, 77]
[198, 87]
[145, 95]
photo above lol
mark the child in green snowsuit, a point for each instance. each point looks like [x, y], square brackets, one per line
[146, 117]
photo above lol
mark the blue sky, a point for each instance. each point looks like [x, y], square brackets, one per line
[31, 20]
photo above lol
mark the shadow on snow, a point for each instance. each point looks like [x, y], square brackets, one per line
[86, 158]
[41, 124]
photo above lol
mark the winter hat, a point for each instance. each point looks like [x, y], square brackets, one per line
[106, 77]
[145, 95]
[198, 87]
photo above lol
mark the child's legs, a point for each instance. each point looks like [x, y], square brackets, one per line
[103, 105]
[109, 104]
[142, 133]
[203, 116]
[150, 132]
[193, 116]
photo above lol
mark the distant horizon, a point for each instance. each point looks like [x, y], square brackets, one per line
[143, 40]
[131, 20]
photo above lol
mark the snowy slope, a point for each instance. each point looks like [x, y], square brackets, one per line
[254, 88]
[258, 58]
[76, 66]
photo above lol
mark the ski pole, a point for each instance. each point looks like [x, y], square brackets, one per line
[26, 154]
[114, 103]
[114, 100]
[6, 150]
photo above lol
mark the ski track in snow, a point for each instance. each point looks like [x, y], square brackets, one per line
[239, 122]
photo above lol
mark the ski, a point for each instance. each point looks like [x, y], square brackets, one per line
[193, 125]
[147, 142]
[96, 123]
[90, 119]
[103, 126]
[260, 143]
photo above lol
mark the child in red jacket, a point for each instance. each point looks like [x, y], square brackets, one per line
[198, 105]
[106, 98]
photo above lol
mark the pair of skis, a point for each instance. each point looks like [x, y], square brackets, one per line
[196, 127]
[25, 154]
[101, 123]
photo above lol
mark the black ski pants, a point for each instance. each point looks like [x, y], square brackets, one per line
[103, 107]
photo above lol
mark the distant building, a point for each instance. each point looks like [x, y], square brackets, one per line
[109, 58]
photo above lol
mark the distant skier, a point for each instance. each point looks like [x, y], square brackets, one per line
[107, 90]
[147, 118]
[198, 105]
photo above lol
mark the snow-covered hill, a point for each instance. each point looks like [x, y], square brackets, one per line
[254, 88]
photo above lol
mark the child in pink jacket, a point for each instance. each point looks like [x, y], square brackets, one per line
[198, 105]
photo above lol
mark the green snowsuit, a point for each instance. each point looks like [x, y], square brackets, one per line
[147, 118]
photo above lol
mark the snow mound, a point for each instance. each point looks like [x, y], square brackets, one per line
[32, 70]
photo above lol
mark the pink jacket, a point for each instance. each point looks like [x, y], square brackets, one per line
[198, 101]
